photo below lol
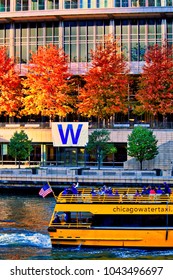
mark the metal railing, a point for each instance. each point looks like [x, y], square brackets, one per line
[92, 125]
[71, 225]
[125, 195]
[25, 125]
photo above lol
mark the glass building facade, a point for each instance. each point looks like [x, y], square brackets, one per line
[27, 5]
[79, 25]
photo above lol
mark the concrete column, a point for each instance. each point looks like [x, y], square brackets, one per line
[61, 4]
[11, 44]
[164, 30]
[93, 4]
[43, 153]
[12, 6]
[163, 3]
[112, 27]
[61, 30]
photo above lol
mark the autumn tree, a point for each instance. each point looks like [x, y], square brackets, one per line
[10, 86]
[142, 144]
[155, 94]
[20, 146]
[106, 89]
[99, 144]
[45, 86]
[75, 82]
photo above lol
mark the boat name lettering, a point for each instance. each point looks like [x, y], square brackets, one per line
[145, 209]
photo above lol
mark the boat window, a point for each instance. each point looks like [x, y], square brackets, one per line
[75, 217]
[132, 220]
[81, 217]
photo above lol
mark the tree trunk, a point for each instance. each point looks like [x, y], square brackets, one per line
[99, 157]
[141, 165]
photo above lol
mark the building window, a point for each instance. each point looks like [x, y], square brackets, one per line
[4, 5]
[135, 35]
[154, 32]
[52, 4]
[170, 31]
[71, 4]
[22, 5]
[138, 40]
[28, 37]
[5, 36]
[70, 40]
[141, 38]
[169, 3]
[134, 40]
[121, 35]
[37, 4]
[52, 33]
[102, 3]
[121, 3]
[84, 4]
[154, 3]
[21, 40]
[138, 3]
[79, 38]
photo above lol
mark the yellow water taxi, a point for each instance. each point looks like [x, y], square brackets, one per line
[120, 218]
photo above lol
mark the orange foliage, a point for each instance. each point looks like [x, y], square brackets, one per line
[45, 86]
[106, 89]
[156, 83]
[10, 86]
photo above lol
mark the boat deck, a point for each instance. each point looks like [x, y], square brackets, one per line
[125, 195]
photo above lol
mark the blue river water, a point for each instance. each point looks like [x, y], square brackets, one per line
[23, 235]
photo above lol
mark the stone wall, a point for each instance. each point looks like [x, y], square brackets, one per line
[163, 161]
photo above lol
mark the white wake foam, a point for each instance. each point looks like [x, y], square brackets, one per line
[25, 239]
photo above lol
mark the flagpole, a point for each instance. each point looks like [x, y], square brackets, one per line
[52, 191]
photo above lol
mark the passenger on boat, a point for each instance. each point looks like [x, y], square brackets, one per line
[167, 189]
[110, 192]
[69, 191]
[148, 190]
[116, 193]
[152, 191]
[159, 190]
[65, 191]
[63, 218]
[144, 191]
[74, 188]
[105, 189]
[56, 219]
[137, 194]
[100, 191]
[93, 192]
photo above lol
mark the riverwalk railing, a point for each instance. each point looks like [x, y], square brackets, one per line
[90, 176]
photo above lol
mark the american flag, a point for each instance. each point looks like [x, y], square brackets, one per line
[45, 190]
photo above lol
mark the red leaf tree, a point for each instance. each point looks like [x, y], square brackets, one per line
[106, 89]
[10, 86]
[45, 86]
[155, 94]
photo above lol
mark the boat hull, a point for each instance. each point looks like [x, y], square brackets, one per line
[148, 238]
